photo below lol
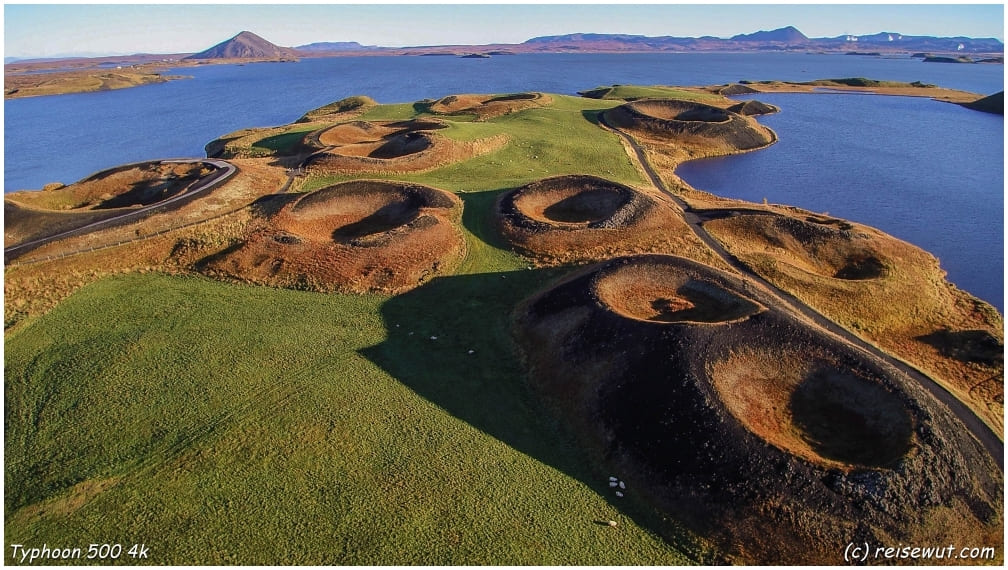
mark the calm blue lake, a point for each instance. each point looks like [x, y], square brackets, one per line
[64, 138]
[926, 172]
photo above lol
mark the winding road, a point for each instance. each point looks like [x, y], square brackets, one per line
[980, 430]
[223, 171]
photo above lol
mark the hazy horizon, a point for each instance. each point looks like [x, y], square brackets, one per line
[50, 31]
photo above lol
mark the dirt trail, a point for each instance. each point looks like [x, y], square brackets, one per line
[981, 431]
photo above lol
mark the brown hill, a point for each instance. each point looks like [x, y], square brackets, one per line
[789, 34]
[246, 45]
[356, 236]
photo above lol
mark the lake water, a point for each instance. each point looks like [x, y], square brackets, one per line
[926, 172]
[64, 138]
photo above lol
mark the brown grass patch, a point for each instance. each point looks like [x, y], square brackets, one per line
[67, 503]
[360, 132]
[33, 215]
[487, 106]
[933, 92]
[120, 187]
[355, 236]
[824, 246]
[887, 291]
[661, 292]
[392, 147]
[703, 130]
[577, 217]
[813, 408]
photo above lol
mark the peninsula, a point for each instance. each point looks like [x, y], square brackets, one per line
[488, 328]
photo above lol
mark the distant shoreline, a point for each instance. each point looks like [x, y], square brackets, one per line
[33, 78]
[37, 82]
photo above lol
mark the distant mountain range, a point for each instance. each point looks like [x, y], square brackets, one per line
[782, 39]
[248, 46]
[332, 46]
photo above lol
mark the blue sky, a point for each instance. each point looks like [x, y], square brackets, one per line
[52, 30]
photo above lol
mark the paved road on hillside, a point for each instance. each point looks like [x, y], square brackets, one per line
[224, 171]
[981, 431]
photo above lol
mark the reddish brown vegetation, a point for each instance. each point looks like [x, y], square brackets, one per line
[697, 128]
[662, 293]
[33, 215]
[579, 217]
[886, 290]
[487, 106]
[356, 236]
[396, 146]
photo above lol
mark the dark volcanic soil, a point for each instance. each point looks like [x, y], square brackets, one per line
[779, 443]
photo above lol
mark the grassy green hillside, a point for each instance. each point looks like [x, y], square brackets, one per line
[560, 139]
[234, 424]
[227, 424]
[630, 92]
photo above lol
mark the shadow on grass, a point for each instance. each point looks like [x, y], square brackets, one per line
[479, 212]
[977, 346]
[592, 116]
[271, 204]
[450, 342]
[284, 143]
[147, 192]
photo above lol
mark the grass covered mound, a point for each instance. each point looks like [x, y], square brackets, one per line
[356, 236]
[821, 245]
[266, 142]
[346, 135]
[635, 92]
[484, 107]
[656, 290]
[753, 107]
[58, 208]
[706, 128]
[339, 110]
[392, 146]
[882, 288]
[736, 89]
[758, 431]
[292, 142]
[578, 217]
[121, 187]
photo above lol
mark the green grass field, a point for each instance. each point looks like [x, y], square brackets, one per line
[631, 92]
[561, 139]
[283, 143]
[231, 424]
